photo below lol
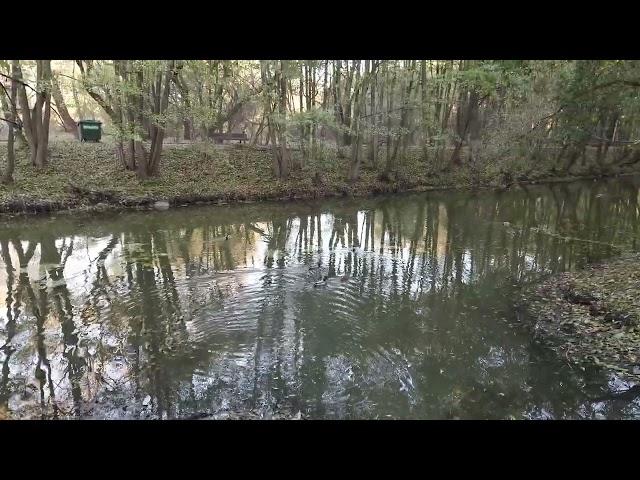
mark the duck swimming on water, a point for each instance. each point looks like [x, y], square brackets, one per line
[321, 283]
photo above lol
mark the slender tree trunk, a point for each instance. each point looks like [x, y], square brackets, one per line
[254, 140]
[275, 93]
[325, 92]
[149, 165]
[68, 123]
[43, 144]
[360, 98]
[282, 139]
[354, 171]
[337, 100]
[9, 109]
[311, 104]
[301, 94]
[36, 121]
[424, 110]
[373, 139]
[390, 167]
[405, 92]
[7, 176]
[36, 118]
[349, 97]
[80, 111]
[25, 111]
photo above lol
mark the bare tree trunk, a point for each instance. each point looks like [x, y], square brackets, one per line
[25, 112]
[373, 147]
[36, 118]
[80, 111]
[311, 103]
[254, 140]
[403, 116]
[284, 155]
[149, 165]
[380, 119]
[68, 123]
[389, 167]
[424, 110]
[36, 122]
[7, 176]
[354, 139]
[337, 100]
[124, 106]
[466, 121]
[10, 110]
[303, 130]
[276, 159]
[325, 92]
[43, 143]
[609, 134]
[187, 123]
[355, 67]
[275, 94]
[360, 97]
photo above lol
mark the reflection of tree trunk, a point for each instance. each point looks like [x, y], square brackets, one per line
[152, 319]
[187, 121]
[413, 246]
[161, 329]
[40, 311]
[75, 362]
[10, 325]
[64, 309]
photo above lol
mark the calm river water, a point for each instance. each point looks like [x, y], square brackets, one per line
[221, 310]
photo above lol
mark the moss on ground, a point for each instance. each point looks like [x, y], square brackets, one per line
[592, 316]
[88, 176]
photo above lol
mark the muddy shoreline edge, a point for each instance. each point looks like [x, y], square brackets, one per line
[590, 317]
[83, 200]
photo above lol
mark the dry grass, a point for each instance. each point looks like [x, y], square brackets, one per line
[87, 175]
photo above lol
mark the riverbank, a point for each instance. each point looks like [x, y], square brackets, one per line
[88, 177]
[592, 316]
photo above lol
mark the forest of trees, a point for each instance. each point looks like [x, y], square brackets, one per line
[369, 112]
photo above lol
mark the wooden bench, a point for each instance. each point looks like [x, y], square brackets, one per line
[220, 137]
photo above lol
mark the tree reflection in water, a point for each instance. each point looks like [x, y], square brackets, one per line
[167, 315]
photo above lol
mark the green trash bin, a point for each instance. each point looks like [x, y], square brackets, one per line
[90, 130]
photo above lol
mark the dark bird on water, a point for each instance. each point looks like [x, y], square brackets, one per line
[322, 282]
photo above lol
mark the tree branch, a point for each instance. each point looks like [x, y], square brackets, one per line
[18, 125]
[630, 83]
[96, 96]
[56, 112]
[19, 81]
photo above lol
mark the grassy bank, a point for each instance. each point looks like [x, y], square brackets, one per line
[88, 176]
[592, 316]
